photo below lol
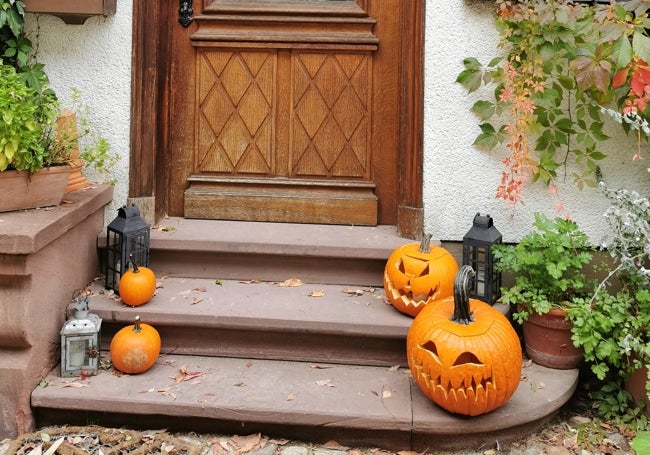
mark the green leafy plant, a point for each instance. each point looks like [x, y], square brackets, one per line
[548, 265]
[29, 108]
[25, 124]
[641, 442]
[613, 325]
[94, 148]
[562, 63]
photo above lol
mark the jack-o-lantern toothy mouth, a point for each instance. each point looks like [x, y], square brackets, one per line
[473, 387]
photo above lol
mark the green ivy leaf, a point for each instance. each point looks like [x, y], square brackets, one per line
[641, 46]
[489, 138]
[622, 51]
[484, 109]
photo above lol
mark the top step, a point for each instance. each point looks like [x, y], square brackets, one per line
[236, 250]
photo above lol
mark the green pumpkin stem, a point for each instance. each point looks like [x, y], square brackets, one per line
[136, 328]
[462, 314]
[425, 243]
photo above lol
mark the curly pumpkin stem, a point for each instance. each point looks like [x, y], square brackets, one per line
[425, 246]
[462, 315]
[131, 263]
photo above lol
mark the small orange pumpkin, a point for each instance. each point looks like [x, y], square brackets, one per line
[463, 354]
[417, 274]
[137, 285]
[135, 348]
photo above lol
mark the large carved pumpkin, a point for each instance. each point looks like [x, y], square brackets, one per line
[463, 354]
[417, 274]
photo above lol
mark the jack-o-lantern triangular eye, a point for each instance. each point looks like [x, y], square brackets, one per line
[465, 358]
[431, 347]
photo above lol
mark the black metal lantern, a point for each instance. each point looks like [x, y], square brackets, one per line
[477, 252]
[127, 237]
[80, 340]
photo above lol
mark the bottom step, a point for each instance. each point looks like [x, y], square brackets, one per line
[354, 405]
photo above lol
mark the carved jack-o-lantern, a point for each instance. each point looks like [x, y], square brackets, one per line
[417, 274]
[463, 354]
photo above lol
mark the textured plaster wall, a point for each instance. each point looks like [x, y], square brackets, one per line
[95, 58]
[459, 180]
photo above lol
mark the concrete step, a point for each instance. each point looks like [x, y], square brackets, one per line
[270, 320]
[354, 405]
[272, 251]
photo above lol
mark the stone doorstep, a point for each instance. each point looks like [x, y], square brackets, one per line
[342, 402]
[345, 324]
[315, 240]
[28, 231]
[271, 251]
[342, 324]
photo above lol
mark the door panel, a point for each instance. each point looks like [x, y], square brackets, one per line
[286, 111]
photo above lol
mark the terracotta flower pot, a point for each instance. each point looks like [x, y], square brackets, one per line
[547, 338]
[24, 190]
[636, 386]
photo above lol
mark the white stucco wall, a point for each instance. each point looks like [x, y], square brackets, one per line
[459, 180]
[95, 58]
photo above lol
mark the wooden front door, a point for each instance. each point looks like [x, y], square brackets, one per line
[287, 111]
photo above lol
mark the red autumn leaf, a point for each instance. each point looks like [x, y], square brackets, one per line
[620, 77]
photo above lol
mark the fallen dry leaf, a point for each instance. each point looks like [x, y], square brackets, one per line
[357, 292]
[386, 394]
[198, 290]
[290, 283]
[168, 391]
[333, 445]
[196, 300]
[394, 368]
[73, 384]
[184, 375]
[250, 282]
[248, 443]
[319, 367]
[325, 382]
[292, 396]
[316, 293]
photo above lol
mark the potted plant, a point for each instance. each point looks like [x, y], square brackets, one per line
[34, 155]
[549, 267]
[563, 65]
[613, 325]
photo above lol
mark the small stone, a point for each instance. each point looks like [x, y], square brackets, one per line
[268, 449]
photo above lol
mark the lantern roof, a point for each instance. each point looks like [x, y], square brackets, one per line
[128, 220]
[483, 230]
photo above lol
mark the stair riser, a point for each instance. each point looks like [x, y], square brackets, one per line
[245, 266]
[255, 344]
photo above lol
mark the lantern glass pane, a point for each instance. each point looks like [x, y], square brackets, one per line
[113, 270]
[77, 353]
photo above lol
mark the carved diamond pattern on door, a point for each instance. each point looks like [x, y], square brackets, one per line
[236, 112]
[331, 115]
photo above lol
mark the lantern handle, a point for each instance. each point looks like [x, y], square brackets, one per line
[79, 306]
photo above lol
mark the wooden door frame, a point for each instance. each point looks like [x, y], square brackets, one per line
[150, 122]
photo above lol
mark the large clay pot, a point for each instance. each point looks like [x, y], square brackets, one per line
[24, 190]
[547, 338]
[636, 386]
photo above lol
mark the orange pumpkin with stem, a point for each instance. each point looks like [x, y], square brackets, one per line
[135, 348]
[417, 274]
[137, 285]
[464, 354]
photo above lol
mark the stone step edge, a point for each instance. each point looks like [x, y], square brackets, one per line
[266, 306]
[282, 239]
[339, 398]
